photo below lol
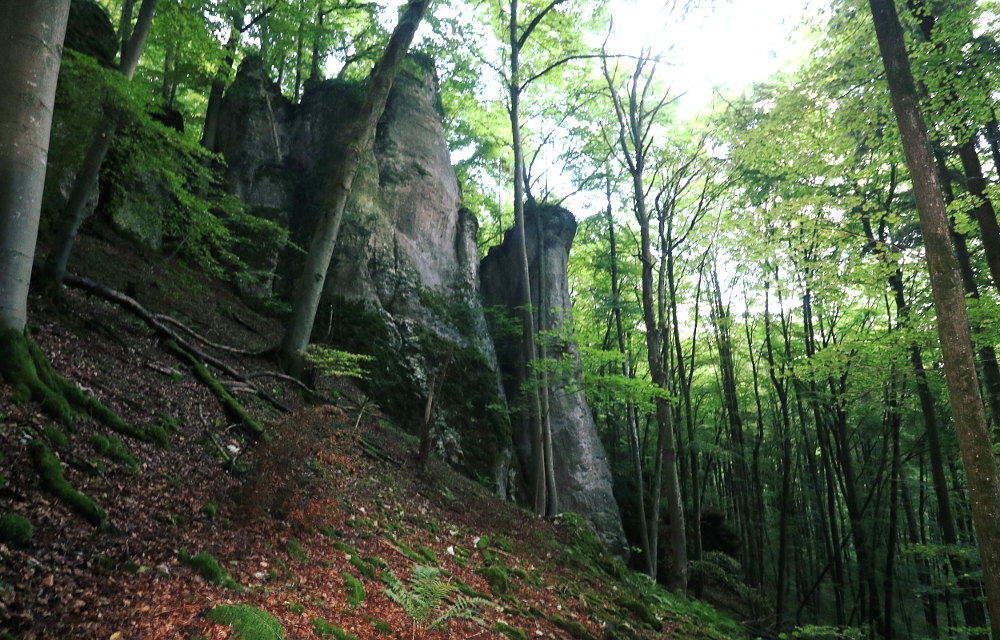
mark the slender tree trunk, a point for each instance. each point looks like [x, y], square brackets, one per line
[87, 177]
[952, 317]
[358, 141]
[211, 128]
[31, 37]
[630, 411]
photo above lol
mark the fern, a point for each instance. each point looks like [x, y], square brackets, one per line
[430, 600]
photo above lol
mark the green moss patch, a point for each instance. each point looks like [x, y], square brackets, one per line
[115, 450]
[51, 473]
[513, 633]
[497, 578]
[55, 436]
[354, 590]
[15, 530]
[575, 630]
[638, 611]
[248, 623]
[206, 566]
[323, 629]
[295, 551]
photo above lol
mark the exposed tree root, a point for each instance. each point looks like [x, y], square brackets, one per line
[28, 371]
[156, 323]
[205, 341]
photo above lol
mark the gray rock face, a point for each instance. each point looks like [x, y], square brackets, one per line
[404, 283]
[583, 477]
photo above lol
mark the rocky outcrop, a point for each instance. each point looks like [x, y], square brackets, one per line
[403, 285]
[583, 476]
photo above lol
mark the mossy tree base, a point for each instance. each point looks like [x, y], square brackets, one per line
[29, 372]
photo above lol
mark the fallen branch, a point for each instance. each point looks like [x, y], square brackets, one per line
[205, 341]
[153, 321]
[286, 378]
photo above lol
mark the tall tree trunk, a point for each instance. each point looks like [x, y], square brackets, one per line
[630, 411]
[952, 316]
[527, 317]
[31, 37]
[309, 286]
[87, 177]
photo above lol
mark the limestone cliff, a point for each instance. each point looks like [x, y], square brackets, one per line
[403, 285]
[583, 476]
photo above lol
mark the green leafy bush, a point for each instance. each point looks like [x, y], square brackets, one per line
[430, 600]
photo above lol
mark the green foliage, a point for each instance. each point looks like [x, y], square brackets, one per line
[295, 607]
[354, 590]
[51, 473]
[430, 600]
[382, 627]
[15, 530]
[206, 566]
[821, 632]
[247, 622]
[333, 362]
[115, 450]
[210, 509]
[639, 611]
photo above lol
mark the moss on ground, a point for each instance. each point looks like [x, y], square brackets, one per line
[29, 372]
[353, 589]
[381, 626]
[497, 578]
[15, 530]
[575, 630]
[323, 629]
[247, 622]
[51, 473]
[206, 566]
[115, 450]
[234, 410]
[511, 632]
[295, 551]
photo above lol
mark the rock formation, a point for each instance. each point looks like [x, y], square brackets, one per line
[583, 476]
[403, 285]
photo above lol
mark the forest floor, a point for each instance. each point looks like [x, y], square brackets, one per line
[323, 529]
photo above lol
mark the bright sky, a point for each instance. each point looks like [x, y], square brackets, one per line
[724, 43]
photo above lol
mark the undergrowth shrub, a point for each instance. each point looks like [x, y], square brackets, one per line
[298, 472]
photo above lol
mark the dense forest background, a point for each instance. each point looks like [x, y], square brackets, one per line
[759, 333]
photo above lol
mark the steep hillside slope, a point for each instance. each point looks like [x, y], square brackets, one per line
[322, 528]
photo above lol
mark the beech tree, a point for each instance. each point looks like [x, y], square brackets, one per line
[309, 286]
[952, 318]
[31, 37]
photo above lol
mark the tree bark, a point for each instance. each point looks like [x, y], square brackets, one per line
[952, 316]
[31, 37]
[87, 177]
[359, 140]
